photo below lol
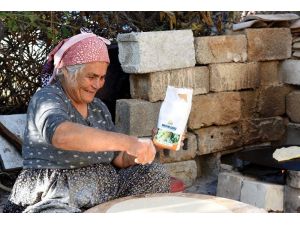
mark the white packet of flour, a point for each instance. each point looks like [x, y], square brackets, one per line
[173, 116]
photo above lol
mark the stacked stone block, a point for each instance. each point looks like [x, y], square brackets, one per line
[238, 83]
[290, 72]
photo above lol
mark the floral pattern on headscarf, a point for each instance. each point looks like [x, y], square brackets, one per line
[79, 49]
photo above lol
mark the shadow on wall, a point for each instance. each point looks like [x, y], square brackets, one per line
[116, 84]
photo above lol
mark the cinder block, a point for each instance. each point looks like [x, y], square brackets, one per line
[269, 44]
[11, 158]
[185, 171]
[230, 185]
[233, 76]
[153, 86]
[293, 179]
[218, 49]
[219, 138]
[269, 74]
[136, 117]
[291, 199]
[271, 100]
[146, 52]
[290, 71]
[263, 130]
[293, 106]
[292, 136]
[187, 152]
[263, 195]
[215, 109]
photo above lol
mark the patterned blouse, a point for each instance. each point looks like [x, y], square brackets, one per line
[48, 108]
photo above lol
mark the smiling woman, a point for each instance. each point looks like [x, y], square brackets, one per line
[73, 157]
[81, 83]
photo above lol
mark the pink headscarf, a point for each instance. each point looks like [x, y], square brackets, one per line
[79, 49]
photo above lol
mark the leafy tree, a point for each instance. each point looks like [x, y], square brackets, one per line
[27, 37]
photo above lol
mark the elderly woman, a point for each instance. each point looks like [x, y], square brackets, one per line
[73, 158]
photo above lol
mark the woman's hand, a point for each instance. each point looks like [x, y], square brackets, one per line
[143, 151]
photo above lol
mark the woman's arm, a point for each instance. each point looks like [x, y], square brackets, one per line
[73, 136]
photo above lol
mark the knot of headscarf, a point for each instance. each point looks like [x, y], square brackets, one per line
[79, 49]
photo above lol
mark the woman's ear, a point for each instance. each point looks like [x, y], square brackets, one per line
[66, 74]
[65, 71]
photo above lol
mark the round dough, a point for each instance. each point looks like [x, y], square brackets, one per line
[168, 204]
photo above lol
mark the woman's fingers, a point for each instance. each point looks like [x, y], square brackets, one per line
[146, 154]
[154, 132]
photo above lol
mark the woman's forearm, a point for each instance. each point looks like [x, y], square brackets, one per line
[72, 136]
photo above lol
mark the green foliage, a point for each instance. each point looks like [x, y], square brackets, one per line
[27, 37]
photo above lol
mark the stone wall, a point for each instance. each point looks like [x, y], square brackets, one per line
[240, 86]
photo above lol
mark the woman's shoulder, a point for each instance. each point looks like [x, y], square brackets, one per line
[48, 93]
[97, 102]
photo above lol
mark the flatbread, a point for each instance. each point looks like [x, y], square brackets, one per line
[168, 204]
[288, 153]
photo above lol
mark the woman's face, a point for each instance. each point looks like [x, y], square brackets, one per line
[89, 80]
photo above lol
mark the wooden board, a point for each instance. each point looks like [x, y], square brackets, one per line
[248, 24]
[174, 202]
[10, 157]
[272, 17]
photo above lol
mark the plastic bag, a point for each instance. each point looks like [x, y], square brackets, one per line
[173, 117]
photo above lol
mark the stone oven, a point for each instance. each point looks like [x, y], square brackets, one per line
[253, 176]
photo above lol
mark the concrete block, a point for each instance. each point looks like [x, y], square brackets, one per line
[269, 74]
[219, 138]
[290, 71]
[215, 109]
[291, 199]
[293, 179]
[293, 106]
[263, 195]
[209, 165]
[146, 52]
[269, 44]
[10, 157]
[186, 152]
[218, 49]
[263, 130]
[292, 136]
[136, 117]
[271, 100]
[229, 185]
[153, 86]
[185, 171]
[234, 76]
